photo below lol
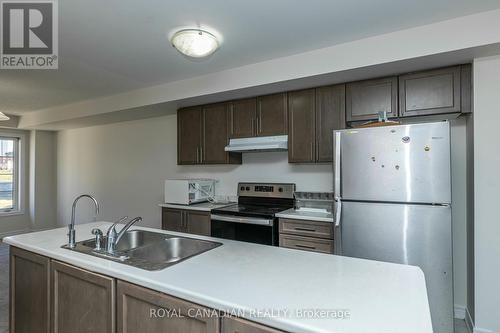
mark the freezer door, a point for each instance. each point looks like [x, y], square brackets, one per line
[405, 163]
[417, 235]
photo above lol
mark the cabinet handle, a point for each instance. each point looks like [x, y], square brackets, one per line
[259, 126]
[201, 154]
[253, 126]
[198, 155]
[305, 247]
[305, 229]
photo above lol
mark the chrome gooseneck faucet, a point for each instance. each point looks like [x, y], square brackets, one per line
[71, 233]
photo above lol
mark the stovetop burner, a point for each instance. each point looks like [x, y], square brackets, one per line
[260, 200]
[252, 210]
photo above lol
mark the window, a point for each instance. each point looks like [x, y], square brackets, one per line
[9, 174]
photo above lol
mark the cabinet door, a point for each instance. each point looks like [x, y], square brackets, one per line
[215, 134]
[238, 325]
[272, 115]
[189, 122]
[147, 311]
[242, 118]
[82, 301]
[430, 92]
[30, 290]
[301, 138]
[365, 99]
[330, 116]
[198, 223]
[173, 220]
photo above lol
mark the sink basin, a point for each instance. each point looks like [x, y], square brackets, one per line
[171, 250]
[149, 250]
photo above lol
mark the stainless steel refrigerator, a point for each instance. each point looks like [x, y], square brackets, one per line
[393, 203]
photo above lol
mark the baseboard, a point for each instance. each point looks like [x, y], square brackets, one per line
[460, 311]
[468, 320]
[480, 330]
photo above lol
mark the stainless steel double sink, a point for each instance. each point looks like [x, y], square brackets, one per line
[148, 250]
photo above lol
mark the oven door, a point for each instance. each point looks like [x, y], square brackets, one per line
[245, 229]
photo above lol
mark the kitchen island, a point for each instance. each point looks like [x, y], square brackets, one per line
[288, 290]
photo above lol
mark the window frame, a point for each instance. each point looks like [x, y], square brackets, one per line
[18, 173]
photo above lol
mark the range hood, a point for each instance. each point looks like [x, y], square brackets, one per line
[263, 143]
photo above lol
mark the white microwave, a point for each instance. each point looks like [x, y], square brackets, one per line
[188, 191]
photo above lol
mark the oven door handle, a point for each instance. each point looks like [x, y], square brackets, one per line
[240, 219]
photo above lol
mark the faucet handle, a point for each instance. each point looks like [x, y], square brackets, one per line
[96, 231]
[98, 237]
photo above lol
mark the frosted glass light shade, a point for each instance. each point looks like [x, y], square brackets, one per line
[195, 43]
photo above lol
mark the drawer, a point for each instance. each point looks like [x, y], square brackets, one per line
[306, 243]
[306, 228]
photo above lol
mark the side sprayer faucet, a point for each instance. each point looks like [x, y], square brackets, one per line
[113, 237]
[71, 233]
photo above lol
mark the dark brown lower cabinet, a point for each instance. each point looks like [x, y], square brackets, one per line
[51, 296]
[147, 311]
[314, 236]
[29, 297]
[198, 223]
[82, 301]
[238, 325]
[172, 219]
[188, 221]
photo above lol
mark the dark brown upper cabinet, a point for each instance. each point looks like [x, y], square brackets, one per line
[313, 116]
[433, 92]
[330, 116]
[261, 116]
[242, 115]
[189, 130]
[365, 99]
[215, 134]
[203, 135]
[301, 126]
[272, 115]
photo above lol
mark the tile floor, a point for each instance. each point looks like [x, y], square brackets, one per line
[4, 294]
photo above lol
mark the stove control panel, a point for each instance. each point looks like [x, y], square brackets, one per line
[269, 190]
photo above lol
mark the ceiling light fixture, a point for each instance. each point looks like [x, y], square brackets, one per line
[195, 43]
[4, 117]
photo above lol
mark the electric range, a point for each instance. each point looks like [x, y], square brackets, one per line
[253, 218]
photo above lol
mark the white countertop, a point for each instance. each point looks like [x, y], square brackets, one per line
[237, 276]
[304, 214]
[203, 206]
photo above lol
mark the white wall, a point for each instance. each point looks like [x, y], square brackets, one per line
[43, 179]
[487, 193]
[125, 165]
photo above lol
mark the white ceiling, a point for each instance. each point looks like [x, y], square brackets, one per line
[113, 46]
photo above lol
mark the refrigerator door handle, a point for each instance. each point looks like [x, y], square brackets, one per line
[337, 232]
[338, 212]
[336, 165]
